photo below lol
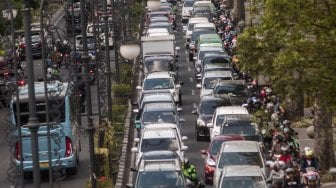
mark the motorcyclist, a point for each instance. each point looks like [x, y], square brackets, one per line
[277, 144]
[289, 139]
[277, 176]
[309, 160]
[285, 156]
[189, 171]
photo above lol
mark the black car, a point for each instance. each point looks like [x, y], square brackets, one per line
[205, 110]
[234, 90]
[73, 22]
[36, 44]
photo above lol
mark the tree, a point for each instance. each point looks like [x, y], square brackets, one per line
[294, 45]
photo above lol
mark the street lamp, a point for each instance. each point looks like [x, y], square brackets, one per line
[129, 50]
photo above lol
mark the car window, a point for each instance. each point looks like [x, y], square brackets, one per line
[209, 83]
[239, 158]
[243, 182]
[160, 179]
[158, 83]
[219, 60]
[209, 107]
[154, 144]
[239, 127]
[238, 90]
[158, 116]
[188, 3]
[219, 120]
[215, 147]
[158, 65]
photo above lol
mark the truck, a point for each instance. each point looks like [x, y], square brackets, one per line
[159, 53]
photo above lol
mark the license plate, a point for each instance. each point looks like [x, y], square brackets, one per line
[44, 165]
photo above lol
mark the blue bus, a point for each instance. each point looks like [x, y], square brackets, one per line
[64, 135]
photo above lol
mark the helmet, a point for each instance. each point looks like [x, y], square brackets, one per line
[308, 152]
[286, 123]
[276, 166]
[186, 161]
[284, 148]
[268, 90]
[286, 130]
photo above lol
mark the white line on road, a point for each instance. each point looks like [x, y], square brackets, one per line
[194, 105]
[192, 92]
[191, 80]
[189, 69]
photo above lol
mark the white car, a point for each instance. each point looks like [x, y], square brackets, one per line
[187, 9]
[242, 176]
[209, 80]
[163, 81]
[239, 152]
[190, 26]
[219, 116]
[160, 136]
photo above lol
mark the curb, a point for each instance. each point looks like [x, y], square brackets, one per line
[122, 159]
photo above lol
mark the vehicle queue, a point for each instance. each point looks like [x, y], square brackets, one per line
[243, 151]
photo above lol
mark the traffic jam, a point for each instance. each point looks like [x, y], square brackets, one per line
[243, 149]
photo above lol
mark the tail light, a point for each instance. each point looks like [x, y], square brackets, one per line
[209, 169]
[6, 74]
[22, 45]
[68, 147]
[91, 71]
[21, 82]
[17, 151]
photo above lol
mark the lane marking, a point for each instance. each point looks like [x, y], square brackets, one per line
[191, 80]
[194, 105]
[192, 92]
[189, 69]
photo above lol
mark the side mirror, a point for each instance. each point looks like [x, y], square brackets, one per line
[181, 83]
[179, 109]
[135, 110]
[133, 169]
[184, 148]
[194, 112]
[178, 86]
[129, 185]
[184, 138]
[177, 48]
[184, 28]
[210, 124]
[194, 58]
[138, 87]
[182, 120]
[136, 140]
[134, 150]
[198, 86]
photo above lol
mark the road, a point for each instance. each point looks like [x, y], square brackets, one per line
[191, 97]
[79, 180]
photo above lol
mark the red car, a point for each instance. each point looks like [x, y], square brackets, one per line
[210, 155]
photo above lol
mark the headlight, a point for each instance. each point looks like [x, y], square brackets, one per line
[200, 122]
[210, 162]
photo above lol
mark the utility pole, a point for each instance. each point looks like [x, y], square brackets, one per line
[116, 41]
[107, 60]
[90, 127]
[32, 121]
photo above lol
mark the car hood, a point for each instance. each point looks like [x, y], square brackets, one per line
[234, 99]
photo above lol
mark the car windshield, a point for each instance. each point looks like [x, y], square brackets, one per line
[215, 146]
[244, 128]
[191, 26]
[154, 144]
[158, 65]
[209, 107]
[195, 35]
[188, 3]
[158, 116]
[219, 60]
[209, 83]
[158, 83]
[243, 182]
[35, 38]
[240, 158]
[234, 89]
[203, 52]
[160, 179]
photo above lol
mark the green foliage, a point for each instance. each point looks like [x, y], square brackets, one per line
[126, 73]
[294, 45]
[119, 112]
[122, 90]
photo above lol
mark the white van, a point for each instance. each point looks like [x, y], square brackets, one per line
[206, 26]
[219, 115]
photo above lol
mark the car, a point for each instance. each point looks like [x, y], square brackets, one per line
[36, 43]
[190, 26]
[216, 67]
[212, 58]
[159, 173]
[187, 9]
[166, 25]
[150, 15]
[164, 112]
[205, 3]
[205, 26]
[100, 29]
[210, 155]
[157, 31]
[160, 136]
[240, 124]
[202, 11]
[207, 48]
[242, 176]
[163, 81]
[235, 90]
[219, 116]
[156, 155]
[240, 152]
[204, 111]
[191, 42]
[73, 21]
[209, 80]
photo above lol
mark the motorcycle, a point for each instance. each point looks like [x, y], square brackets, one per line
[198, 184]
[292, 179]
[311, 178]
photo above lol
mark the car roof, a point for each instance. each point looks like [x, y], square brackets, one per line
[241, 170]
[160, 165]
[157, 97]
[159, 154]
[240, 146]
[210, 98]
[231, 110]
[198, 20]
[231, 82]
[162, 125]
[217, 55]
